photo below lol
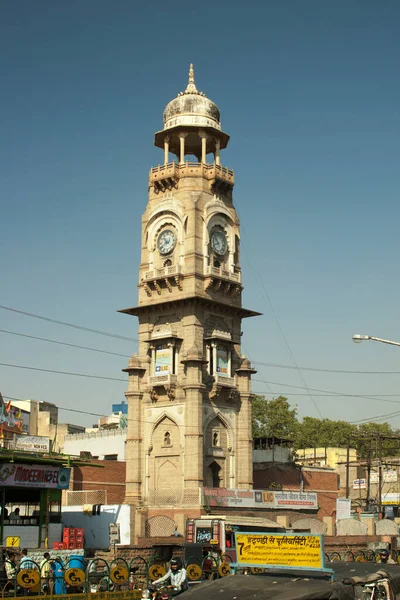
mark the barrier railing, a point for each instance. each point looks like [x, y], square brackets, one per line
[80, 579]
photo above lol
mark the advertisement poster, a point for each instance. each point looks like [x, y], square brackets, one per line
[281, 550]
[34, 476]
[260, 499]
[223, 361]
[32, 443]
[163, 359]
[343, 508]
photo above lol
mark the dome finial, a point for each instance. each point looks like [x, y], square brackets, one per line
[191, 87]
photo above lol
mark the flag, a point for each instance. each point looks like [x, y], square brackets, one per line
[8, 406]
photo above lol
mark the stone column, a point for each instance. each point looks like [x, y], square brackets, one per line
[244, 436]
[217, 151]
[194, 389]
[134, 395]
[166, 150]
[203, 148]
[182, 148]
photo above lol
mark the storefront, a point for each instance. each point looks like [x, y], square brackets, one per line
[30, 499]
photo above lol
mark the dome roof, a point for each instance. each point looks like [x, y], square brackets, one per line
[191, 107]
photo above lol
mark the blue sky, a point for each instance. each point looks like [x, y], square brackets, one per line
[309, 92]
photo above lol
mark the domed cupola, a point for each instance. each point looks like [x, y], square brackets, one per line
[192, 125]
[191, 107]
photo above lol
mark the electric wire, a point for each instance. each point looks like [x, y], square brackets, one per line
[275, 316]
[255, 362]
[33, 337]
[65, 324]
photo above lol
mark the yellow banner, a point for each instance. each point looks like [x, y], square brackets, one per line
[280, 550]
[127, 595]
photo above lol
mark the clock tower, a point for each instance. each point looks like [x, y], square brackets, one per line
[189, 391]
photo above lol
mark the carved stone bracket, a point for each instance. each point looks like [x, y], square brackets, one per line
[171, 393]
[234, 395]
[153, 394]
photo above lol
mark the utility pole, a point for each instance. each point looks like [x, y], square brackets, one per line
[348, 469]
[368, 477]
[380, 475]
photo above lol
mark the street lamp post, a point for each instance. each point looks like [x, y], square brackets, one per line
[357, 338]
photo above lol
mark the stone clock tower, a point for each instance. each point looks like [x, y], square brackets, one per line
[189, 391]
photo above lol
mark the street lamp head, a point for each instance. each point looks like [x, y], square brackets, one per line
[357, 338]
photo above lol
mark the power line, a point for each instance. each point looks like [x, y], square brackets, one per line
[331, 392]
[74, 374]
[33, 337]
[321, 370]
[64, 323]
[379, 417]
[61, 372]
[284, 336]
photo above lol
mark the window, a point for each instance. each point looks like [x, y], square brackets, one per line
[164, 358]
[215, 470]
[219, 359]
[215, 437]
[111, 457]
[168, 263]
[167, 438]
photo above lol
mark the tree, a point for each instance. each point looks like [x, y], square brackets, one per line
[274, 418]
[323, 433]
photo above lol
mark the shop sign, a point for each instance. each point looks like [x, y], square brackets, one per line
[387, 477]
[119, 574]
[359, 484]
[13, 541]
[391, 498]
[32, 443]
[123, 595]
[203, 535]
[260, 499]
[343, 508]
[75, 577]
[114, 531]
[34, 476]
[28, 578]
[280, 550]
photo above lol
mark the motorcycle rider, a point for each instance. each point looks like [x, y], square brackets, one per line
[177, 577]
[385, 558]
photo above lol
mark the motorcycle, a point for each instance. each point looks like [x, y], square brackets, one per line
[154, 592]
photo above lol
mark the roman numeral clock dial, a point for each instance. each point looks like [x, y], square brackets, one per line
[219, 243]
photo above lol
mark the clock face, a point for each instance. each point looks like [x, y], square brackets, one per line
[166, 241]
[219, 243]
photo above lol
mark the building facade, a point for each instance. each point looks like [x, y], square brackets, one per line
[189, 393]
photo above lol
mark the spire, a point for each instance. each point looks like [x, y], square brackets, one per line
[191, 87]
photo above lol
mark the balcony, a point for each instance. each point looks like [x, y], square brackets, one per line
[168, 277]
[167, 381]
[166, 177]
[163, 380]
[223, 381]
[226, 282]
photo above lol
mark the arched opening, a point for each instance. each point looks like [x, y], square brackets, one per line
[215, 470]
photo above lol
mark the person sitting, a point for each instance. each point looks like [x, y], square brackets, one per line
[15, 516]
[177, 577]
[385, 558]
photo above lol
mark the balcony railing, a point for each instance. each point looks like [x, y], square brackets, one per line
[174, 171]
[163, 272]
[223, 273]
[163, 380]
[221, 380]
